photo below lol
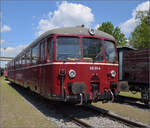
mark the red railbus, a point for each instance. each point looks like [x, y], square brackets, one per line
[73, 64]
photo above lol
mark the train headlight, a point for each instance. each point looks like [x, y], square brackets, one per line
[72, 73]
[113, 73]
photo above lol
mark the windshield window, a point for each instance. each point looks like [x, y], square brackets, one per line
[110, 51]
[92, 49]
[68, 48]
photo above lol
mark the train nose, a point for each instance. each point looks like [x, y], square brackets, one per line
[77, 87]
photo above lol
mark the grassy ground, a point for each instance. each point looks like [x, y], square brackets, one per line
[16, 112]
[130, 94]
[127, 111]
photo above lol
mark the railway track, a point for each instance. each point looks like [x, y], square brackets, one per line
[81, 123]
[78, 119]
[106, 113]
[75, 120]
[103, 113]
[132, 101]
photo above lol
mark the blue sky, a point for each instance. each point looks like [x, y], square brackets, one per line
[25, 20]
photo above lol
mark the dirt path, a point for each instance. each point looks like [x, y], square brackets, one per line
[16, 112]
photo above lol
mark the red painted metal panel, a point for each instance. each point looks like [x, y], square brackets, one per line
[136, 66]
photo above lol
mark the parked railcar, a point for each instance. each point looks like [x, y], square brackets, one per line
[73, 64]
[135, 68]
[6, 74]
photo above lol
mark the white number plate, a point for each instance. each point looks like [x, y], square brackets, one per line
[95, 68]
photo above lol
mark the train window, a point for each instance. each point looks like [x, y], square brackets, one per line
[10, 65]
[20, 62]
[35, 54]
[68, 48]
[23, 59]
[92, 49]
[110, 52]
[28, 57]
[50, 49]
[17, 63]
[43, 51]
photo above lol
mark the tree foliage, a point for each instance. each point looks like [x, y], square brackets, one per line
[109, 28]
[140, 37]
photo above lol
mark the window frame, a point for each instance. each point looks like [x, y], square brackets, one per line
[74, 36]
[38, 57]
[102, 46]
[26, 59]
[50, 58]
[43, 42]
[116, 58]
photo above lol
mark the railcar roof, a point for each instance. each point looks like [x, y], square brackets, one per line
[78, 30]
[75, 30]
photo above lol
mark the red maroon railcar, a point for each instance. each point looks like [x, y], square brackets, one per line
[74, 64]
[136, 69]
[6, 74]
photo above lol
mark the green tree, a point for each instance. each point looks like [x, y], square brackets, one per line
[140, 37]
[109, 28]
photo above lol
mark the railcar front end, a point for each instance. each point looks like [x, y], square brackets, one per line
[86, 69]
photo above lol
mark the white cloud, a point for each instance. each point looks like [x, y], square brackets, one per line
[97, 26]
[12, 51]
[5, 28]
[2, 41]
[128, 26]
[67, 14]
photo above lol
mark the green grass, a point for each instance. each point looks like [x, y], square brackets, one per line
[16, 112]
[130, 94]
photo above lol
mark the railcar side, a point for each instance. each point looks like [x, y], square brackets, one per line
[135, 69]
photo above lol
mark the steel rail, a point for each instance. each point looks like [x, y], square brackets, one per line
[132, 101]
[75, 120]
[81, 123]
[122, 120]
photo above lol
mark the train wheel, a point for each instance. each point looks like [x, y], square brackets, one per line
[89, 102]
[145, 95]
[134, 92]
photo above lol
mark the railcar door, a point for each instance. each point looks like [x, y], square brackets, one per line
[42, 68]
[49, 67]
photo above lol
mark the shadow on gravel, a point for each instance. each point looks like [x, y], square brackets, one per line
[51, 108]
[131, 102]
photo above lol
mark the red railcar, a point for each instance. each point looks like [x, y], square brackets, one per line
[6, 74]
[74, 64]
